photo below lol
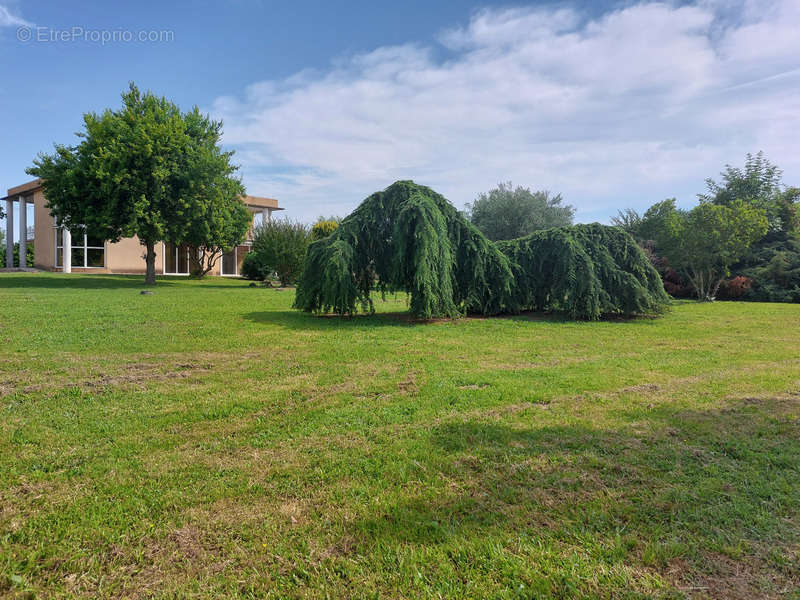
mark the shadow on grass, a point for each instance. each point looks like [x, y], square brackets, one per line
[105, 281]
[296, 319]
[682, 487]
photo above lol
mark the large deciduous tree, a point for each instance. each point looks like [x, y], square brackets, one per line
[507, 212]
[150, 170]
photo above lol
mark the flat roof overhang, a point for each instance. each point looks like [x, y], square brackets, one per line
[257, 203]
[25, 188]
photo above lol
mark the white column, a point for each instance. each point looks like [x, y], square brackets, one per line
[264, 216]
[23, 233]
[9, 233]
[66, 253]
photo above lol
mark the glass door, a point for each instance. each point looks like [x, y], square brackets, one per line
[176, 259]
[228, 263]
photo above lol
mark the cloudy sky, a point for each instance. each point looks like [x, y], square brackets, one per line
[612, 105]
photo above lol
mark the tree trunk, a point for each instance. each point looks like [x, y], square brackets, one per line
[150, 259]
[715, 289]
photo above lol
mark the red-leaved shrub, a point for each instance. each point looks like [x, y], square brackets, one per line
[736, 287]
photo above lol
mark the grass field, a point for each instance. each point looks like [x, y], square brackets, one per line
[209, 441]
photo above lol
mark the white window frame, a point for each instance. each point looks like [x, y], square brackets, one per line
[84, 246]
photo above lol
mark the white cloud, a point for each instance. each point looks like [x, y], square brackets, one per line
[618, 110]
[9, 20]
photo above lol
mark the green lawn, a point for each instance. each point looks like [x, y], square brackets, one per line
[209, 441]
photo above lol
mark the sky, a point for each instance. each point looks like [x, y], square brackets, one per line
[611, 104]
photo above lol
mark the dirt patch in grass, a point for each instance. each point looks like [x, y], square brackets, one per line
[98, 374]
[409, 384]
[134, 375]
[723, 578]
[642, 388]
[141, 373]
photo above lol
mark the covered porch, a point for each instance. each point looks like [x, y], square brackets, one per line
[20, 197]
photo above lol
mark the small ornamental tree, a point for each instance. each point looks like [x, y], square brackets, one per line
[219, 229]
[146, 169]
[704, 242]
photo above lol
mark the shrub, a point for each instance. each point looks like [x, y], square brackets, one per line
[736, 287]
[279, 246]
[774, 266]
[253, 267]
[323, 228]
[28, 256]
[584, 271]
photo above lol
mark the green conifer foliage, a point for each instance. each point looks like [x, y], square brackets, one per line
[584, 271]
[409, 238]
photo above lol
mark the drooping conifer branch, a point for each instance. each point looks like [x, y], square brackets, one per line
[409, 238]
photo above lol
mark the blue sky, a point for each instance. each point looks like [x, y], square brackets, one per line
[613, 105]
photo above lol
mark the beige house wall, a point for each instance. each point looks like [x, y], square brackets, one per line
[127, 256]
[44, 247]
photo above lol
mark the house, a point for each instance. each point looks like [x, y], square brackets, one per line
[90, 254]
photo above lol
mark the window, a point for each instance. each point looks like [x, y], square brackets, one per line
[88, 251]
[176, 259]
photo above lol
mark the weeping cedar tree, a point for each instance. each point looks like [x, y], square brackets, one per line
[509, 212]
[146, 170]
[409, 238]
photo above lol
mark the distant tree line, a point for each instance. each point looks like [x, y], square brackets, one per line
[741, 241]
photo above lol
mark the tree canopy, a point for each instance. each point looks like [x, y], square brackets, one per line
[725, 235]
[323, 228]
[507, 212]
[409, 238]
[704, 242]
[759, 185]
[148, 170]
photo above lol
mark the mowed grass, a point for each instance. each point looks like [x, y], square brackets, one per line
[209, 441]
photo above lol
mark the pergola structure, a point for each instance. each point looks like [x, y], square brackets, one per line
[22, 194]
